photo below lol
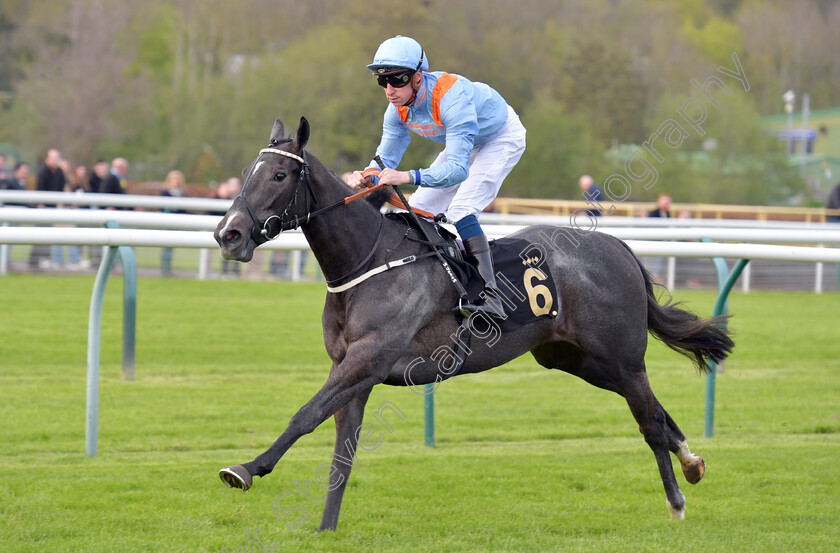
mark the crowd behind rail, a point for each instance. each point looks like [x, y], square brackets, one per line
[56, 174]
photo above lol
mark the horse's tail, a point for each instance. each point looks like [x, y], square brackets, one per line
[701, 340]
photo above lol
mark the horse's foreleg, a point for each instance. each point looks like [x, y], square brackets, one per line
[329, 399]
[362, 368]
[348, 420]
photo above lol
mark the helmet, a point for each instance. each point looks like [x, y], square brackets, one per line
[398, 54]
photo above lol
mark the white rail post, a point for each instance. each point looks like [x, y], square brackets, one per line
[4, 256]
[672, 273]
[294, 262]
[818, 277]
[203, 262]
[745, 279]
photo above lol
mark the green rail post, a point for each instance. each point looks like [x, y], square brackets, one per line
[129, 263]
[94, 336]
[720, 309]
[429, 413]
[166, 262]
[722, 273]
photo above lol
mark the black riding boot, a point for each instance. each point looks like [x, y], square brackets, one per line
[478, 247]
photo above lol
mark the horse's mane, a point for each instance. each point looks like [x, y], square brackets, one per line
[377, 199]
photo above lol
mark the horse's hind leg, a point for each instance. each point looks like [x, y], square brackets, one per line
[659, 434]
[693, 466]
[348, 420]
[659, 430]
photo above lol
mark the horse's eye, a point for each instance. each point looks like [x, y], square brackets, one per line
[279, 176]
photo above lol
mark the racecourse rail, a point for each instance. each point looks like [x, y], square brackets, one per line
[646, 237]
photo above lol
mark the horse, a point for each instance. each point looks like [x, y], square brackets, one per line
[376, 330]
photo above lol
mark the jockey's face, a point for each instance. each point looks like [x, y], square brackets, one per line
[403, 95]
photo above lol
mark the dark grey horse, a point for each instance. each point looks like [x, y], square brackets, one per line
[376, 332]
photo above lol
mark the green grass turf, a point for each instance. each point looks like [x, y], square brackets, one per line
[526, 459]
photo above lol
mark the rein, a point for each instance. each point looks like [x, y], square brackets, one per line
[394, 200]
[262, 232]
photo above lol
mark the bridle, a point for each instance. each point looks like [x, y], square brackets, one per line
[262, 231]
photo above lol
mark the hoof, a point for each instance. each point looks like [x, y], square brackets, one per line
[694, 471]
[236, 477]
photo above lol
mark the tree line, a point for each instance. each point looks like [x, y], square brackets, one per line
[195, 85]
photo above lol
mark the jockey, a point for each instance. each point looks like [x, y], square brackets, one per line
[483, 141]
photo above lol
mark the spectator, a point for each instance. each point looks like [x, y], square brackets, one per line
[228, 189]
[173, 187]
[663, 205]
[17, 181]
[50, 178]
[100, 171]
[591, 193]
[20, 175]
[833, 203]
[112, 183]
[97, 175]
[4, 176]
[77, 181]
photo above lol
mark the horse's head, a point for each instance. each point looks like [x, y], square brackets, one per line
[274, 196]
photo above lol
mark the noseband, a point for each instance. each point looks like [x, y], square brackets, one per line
[262, 231]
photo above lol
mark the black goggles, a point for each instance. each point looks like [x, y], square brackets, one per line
[397, 80]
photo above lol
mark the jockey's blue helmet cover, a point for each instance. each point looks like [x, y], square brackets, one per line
[399, 53]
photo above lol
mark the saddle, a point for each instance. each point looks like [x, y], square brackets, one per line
[528, 292]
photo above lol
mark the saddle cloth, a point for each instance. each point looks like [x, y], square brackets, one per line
[527, 291]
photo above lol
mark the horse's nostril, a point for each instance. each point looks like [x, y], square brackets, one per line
[233, 236]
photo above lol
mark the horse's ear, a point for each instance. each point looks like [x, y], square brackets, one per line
[247, 170]
[277, 132]
[302, 136]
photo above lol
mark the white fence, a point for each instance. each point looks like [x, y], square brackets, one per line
[496, 225]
